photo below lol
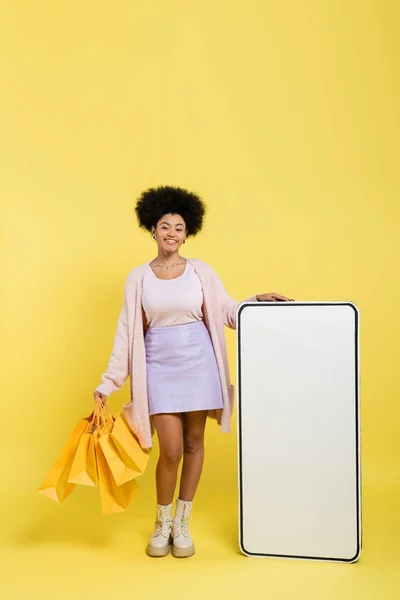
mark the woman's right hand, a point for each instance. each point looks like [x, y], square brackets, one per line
[101, 396]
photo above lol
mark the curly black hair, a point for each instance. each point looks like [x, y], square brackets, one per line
[157, 202]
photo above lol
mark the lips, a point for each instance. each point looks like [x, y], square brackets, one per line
[171, 242]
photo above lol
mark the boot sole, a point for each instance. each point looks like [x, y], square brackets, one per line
[158, 552]
[182, 552]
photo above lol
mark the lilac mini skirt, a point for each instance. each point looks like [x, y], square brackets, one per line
[181, 368]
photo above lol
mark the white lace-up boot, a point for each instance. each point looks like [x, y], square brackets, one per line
[182, 545]
[160, 541]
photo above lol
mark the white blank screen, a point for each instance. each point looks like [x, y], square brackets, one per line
[298, 430]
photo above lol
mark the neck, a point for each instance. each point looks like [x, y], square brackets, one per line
[168, 257]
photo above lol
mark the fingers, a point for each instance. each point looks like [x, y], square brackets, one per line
[273, 297]
[282, 298]
[99, 395]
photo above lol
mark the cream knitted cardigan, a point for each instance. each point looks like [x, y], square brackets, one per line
[128, 356]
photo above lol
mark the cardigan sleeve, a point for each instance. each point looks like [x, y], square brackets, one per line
[118, 365]
[229, 305]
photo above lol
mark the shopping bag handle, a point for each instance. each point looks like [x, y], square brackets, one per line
[102, 415]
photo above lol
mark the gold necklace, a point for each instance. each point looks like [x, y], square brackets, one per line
[164, 266]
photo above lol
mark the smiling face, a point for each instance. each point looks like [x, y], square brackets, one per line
[170, 232]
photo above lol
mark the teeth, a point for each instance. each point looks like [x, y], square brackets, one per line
[171, 241]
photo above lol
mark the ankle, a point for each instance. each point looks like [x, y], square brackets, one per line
[164, 503]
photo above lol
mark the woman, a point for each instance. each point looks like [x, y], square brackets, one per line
[170, 340]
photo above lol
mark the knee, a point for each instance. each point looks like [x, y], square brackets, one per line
[171, 456]
[194, 443]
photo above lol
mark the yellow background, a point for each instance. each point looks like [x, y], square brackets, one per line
[284, 117]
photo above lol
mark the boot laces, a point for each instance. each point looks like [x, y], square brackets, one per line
[163, 525]
[182, 521]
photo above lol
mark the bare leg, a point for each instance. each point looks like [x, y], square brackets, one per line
[169, 429]
[193, 440]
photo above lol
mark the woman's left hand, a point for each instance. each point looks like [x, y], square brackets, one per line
[272, 297]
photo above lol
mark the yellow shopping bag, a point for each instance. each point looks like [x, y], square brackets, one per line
[128, 446]
[120, 471]
[114, 498]
[84, 466]
[125, 458]
[55, 485]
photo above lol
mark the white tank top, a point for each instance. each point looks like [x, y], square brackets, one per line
[169, 302]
